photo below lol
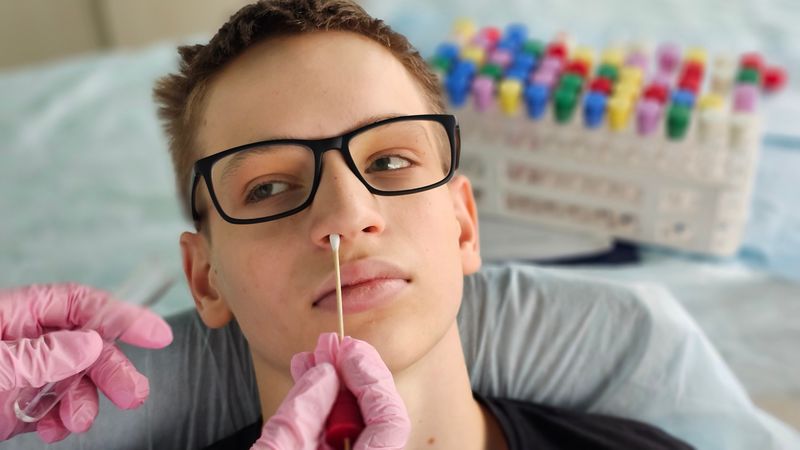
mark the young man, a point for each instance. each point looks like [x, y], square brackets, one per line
[303, 119]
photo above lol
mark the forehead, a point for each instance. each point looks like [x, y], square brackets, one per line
[306, 86]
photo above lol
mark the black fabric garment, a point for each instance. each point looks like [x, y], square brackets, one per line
[242, 439]
[538, 427]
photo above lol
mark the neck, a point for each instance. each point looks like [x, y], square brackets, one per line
[437, 394]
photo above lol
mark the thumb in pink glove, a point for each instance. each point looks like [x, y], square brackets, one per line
[41, 341]
[300, 420]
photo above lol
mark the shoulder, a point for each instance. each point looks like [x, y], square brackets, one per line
[548, 427]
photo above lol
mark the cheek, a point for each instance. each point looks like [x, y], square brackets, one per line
[242, 266]
[433, 227]
[261, 285]
[434, 236]
[253, 260]
[428, 235]
[252, 281]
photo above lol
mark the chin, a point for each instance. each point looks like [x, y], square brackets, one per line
[399, 347]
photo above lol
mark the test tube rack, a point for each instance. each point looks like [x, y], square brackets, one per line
[688, 190]
[683, 195]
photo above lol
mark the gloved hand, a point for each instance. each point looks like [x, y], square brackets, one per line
[41, 341]
[300, 420]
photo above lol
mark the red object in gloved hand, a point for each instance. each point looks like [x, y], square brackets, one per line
[344, 422]
[319, 378]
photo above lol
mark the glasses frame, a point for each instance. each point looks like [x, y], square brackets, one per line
[203, 166]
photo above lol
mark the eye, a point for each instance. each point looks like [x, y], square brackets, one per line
[266, 190]
[389, 162]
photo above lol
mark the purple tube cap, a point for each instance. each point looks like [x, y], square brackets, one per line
[669, 56]
[543, 77]
[551, 64]
[483, 90]
[662, 78]
[481, 41]
[648, 116]
[637, 60]
[501, 57]
[745, 98]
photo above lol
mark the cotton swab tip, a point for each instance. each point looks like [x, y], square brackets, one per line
[335, 241]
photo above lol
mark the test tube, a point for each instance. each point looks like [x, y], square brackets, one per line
[144, 287]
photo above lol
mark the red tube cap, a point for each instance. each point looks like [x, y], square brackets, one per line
[658, 92]
[773, 79]
[557, 49]
[601, 84]
[752, 60]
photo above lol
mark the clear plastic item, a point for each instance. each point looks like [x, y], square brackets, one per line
[144, 287]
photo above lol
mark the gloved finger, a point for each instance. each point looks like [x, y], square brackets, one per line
[118, 379]
[299, 421]
[78, 408]
[50, 428]
[9, 426]
[387, 425]
[148, 331]
[52, 357]
[300, 364]
[39, 308]
[327, 349]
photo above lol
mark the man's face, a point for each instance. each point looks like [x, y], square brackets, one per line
[402, 258]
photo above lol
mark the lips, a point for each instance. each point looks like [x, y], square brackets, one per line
[366, 284]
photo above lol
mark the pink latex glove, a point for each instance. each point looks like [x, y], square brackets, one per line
[41, 341]
[299, 422]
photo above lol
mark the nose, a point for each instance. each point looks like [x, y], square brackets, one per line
[343, 205]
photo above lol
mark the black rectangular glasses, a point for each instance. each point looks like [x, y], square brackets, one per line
[268, 180]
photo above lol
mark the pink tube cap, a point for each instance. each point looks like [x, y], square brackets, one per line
[483, 91]
[648, 116]
[745, 98]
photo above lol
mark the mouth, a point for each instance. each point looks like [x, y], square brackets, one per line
[366, 284]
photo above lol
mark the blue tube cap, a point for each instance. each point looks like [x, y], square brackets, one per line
[683, 97]
[517, 32]
[523, 61]
[536, 96]
[464, 68]
[508, 44]
[457, 88]
[447, 50]
[517, 74]
[458, 82]
[594, 109]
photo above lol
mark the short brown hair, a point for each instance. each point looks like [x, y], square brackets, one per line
[180, 95]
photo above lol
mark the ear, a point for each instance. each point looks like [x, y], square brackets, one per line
[467, 217]
[202, 280]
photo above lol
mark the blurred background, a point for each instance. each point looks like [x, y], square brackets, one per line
[87, 190]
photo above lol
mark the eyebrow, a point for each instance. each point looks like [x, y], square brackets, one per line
[361, 123]
[238, 157]
[374, 118]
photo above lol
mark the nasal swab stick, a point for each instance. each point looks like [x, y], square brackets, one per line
[335, 239]
[344, 422]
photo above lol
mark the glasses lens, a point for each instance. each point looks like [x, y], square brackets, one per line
[402, 155]
[263, 181]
